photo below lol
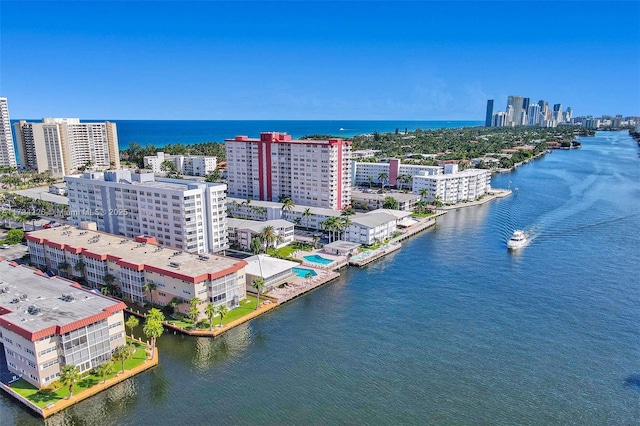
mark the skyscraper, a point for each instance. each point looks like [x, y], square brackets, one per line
[557, 113]
[63, 145]
[489, 116]
[518, 113]
[7, 152]
[533, 115]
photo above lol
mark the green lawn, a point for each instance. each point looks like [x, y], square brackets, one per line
[287, 250]
[247, 306]
[421, 215]
[43, 398]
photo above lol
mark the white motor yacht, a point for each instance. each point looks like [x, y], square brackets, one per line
[518, 240]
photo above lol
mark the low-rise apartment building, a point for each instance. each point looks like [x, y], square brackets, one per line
[187, 215]
[49, 322]
[371, 200]
[242, 231]
[190, 165]
[177, 276]
[272, 270]
[455, 186]
[364, 173]
[372, 227]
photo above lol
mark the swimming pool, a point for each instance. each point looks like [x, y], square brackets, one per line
[362, 255]
[302, 272]
[314, 258]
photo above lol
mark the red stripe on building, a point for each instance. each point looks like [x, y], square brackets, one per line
[260, 170]
[95, 256]
[130, 265]
[269, 172]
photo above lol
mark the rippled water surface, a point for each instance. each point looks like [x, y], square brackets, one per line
[452, 329]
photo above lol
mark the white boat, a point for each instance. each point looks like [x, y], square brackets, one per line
[518, 240]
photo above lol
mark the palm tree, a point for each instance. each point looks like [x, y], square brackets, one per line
[256, 245]
[153, 326]
[79, 267]
[370, 182]
[214, 176]
[22, 218]
[6, 216]
[437, 202]
[210, 311]
[124, 353]
[132, 323]
[105, 369]
[268, 235]
[315, 241]
[223, 310]
[307, 214]
[69, 376]
[63, 267]
[155, 314]
[382, 177]
[346, 223]
[194, 312]
[149, 287]
[424, 193]
[258, 284]
[108, 280]
[288, 204]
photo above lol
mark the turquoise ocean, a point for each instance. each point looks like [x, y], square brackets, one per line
[451, 329]
[160, 133]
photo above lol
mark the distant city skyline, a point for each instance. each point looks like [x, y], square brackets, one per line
[314, 60]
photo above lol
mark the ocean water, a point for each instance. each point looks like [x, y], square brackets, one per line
[161, 133]
[451, 329]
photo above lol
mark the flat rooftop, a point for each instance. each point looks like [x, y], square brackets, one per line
[373, 195]
[267, 266]
[137, 253]
[32, 301]
[257, 226]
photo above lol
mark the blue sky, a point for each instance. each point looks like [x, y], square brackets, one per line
[316, 60]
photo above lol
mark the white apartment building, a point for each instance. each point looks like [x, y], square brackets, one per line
[187, 215]
[453, 186]
[371, 200]
[47, 323]
[242, 231]
[7, 152]
[310, 172]
[371, 227]
[190, 165]
[63, 145]
[365, 173]
[178, 276]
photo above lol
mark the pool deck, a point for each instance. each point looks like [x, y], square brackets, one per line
[375, 254]
[338, 261]
[301, 286]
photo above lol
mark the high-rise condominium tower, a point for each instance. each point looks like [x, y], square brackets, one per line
[64, 145]
[309, 172]
[518, 112]
[489, 116]
[7, 153]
